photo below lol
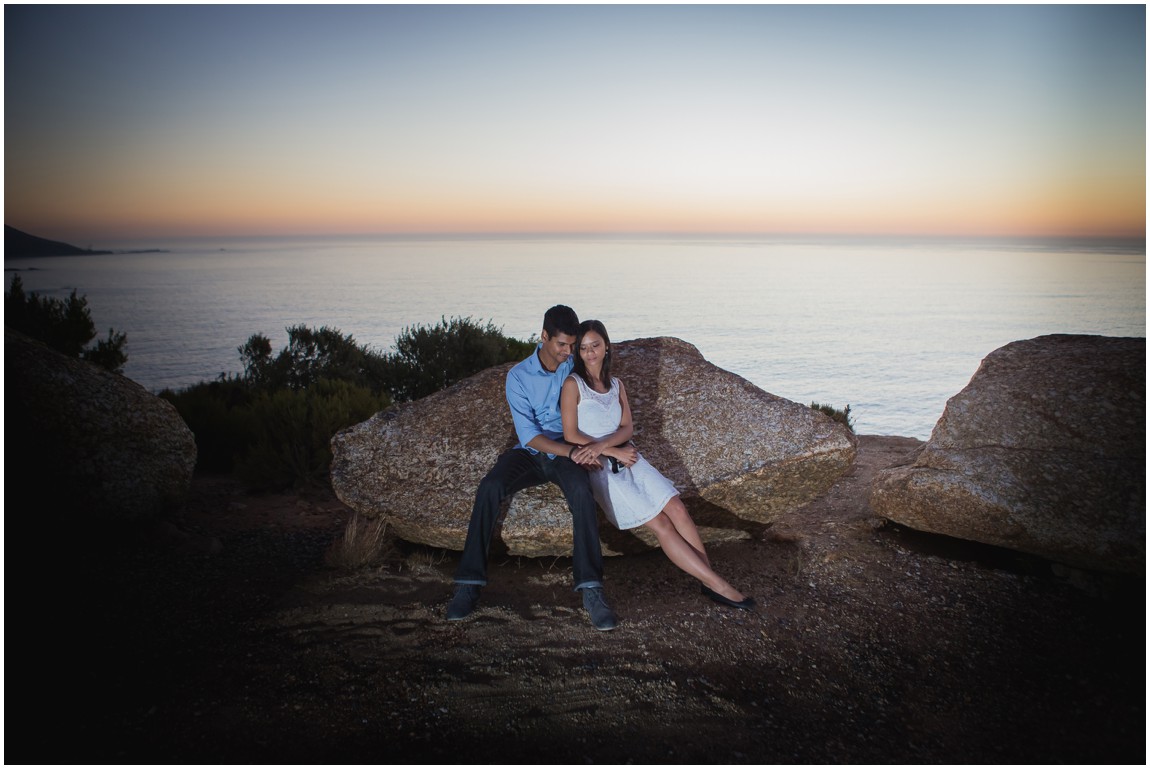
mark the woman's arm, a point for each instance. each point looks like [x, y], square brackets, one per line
[569, 410]
[584, 453]
[620, 441]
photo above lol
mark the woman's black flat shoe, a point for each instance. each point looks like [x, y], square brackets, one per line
[746, 604]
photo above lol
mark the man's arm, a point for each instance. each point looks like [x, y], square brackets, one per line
[526, 426]
[522, 414]
[545, 445]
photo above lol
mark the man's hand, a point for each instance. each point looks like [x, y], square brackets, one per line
[587, 457]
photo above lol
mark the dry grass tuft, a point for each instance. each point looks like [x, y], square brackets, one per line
[425, 560]
[363, 543]
[783, 536]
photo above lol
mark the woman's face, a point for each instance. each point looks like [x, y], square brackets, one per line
[592, 348]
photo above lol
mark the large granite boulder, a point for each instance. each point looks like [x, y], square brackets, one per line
[739, 456]
[1043, 452]
[87, 442]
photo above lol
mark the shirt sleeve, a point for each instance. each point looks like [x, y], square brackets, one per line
[522, 412]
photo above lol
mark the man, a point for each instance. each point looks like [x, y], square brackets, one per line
[541, 456]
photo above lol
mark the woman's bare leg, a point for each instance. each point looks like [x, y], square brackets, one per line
[685, 525]
[687, 557]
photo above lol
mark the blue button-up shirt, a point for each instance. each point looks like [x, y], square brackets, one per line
[533, 395]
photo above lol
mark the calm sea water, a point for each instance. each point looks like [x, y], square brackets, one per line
[891, 328]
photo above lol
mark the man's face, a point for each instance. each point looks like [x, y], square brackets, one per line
[556, 348]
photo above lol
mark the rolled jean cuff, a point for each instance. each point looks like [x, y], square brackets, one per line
[479, 582]
[589, 584]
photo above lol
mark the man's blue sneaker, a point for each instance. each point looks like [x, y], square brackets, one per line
[463, 602]
[596, 605]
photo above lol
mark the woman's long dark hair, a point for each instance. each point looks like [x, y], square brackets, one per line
[580, 368]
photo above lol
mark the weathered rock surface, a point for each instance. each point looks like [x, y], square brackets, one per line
[739, 456]
[1043, 452]
[89, 442]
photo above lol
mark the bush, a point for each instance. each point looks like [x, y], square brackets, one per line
[310, 356]
[429, 359]
[65, 326]
[426, 358]
[270, 439]
[273, 424]
[842, 416]
[219, 415]
[292, 431]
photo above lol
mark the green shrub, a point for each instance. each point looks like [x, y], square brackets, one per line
[219, 415]
[310, 355]
[430, 358]
[273, 424]
[292, 431]
[108, 353]
[842, 416]
[63, 325]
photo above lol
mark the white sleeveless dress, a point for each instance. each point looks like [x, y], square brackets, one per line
[635, 494]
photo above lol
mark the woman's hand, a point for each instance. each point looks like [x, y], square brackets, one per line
[587, 456]
[626, 455]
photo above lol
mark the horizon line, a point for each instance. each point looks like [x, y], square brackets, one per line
[600, 234]
[618, 235]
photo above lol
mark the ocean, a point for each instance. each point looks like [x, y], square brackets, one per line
[892, 328]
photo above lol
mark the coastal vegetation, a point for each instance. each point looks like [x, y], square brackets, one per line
[842, 416]
[65, 325]
[272, 425]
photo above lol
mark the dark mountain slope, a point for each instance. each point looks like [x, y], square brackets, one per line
[21, 244]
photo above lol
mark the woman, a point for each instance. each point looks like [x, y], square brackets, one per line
[631, 492]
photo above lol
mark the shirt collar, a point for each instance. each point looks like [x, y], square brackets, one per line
[537, 365]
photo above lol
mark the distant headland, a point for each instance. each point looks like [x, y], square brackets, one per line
[19, 244]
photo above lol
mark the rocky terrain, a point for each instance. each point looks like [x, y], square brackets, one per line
[222, 638]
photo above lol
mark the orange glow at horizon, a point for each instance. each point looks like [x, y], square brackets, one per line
[1079, 212]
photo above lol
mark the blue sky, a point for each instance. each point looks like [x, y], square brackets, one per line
[139, 121]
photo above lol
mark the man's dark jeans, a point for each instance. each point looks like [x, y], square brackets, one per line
[518, 469]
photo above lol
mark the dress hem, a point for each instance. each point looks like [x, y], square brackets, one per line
[649, 518]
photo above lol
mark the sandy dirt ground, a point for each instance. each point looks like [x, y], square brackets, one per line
[221, 637]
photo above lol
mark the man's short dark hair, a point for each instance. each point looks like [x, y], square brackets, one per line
[561, 319]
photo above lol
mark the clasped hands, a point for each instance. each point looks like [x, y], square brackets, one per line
[588, 455]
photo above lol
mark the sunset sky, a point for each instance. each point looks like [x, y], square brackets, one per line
[164, 121]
